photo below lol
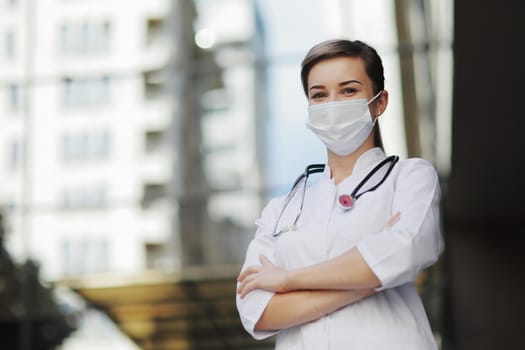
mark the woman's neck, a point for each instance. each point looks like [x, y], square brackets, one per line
[343, 166]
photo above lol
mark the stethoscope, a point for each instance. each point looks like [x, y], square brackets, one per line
[345, 201]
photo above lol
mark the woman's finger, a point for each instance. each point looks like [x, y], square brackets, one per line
[247, 286]
[248, 271]
[245, 290]
[242, 284]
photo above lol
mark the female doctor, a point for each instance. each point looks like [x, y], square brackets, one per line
[333, 264]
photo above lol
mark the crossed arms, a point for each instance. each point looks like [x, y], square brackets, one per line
[309, 293]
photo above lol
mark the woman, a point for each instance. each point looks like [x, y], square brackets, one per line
[334, 268]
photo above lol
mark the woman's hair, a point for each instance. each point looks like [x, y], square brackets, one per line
[347, 48]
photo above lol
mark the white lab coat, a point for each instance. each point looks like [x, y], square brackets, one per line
[392, 319]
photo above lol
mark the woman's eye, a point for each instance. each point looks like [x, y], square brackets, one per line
[349, 91]
[317, 96]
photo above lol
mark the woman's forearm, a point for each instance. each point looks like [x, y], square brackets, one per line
[346, 272]
[349, 271]
[291, 309]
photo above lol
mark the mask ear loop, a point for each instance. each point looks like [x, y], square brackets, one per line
[371, 101]
[375, 97]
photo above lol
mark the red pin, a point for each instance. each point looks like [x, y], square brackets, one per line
[345, 201]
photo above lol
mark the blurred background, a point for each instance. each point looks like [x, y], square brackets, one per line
[139, 141]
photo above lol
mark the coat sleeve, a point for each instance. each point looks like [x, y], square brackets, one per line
[398, 253]
[252, 306]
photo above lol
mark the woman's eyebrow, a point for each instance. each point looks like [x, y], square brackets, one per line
[346, 82]
[343, 83]
[316, 87]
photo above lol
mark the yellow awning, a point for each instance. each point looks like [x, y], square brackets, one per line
[194, 309]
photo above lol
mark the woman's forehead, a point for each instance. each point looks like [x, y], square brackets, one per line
[338, 69]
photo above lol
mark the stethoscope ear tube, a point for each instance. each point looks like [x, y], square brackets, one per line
[310, 169]
[391, 159]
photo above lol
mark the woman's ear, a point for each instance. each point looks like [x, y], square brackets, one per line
[381, 104]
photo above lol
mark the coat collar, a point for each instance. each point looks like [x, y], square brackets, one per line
[363, 164]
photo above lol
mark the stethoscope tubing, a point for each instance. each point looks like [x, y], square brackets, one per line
[317, 168]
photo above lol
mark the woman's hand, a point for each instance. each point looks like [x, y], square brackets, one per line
[266, 276]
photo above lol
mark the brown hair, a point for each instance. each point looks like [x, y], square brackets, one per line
[347, 48]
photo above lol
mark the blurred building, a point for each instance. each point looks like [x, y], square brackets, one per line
[221, 167]
[131, 136]
[81, 97]
[91, 97]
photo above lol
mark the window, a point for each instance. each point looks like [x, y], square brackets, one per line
[216, 100]
[84, 198]
[85, 37]
[154, 140]
[13, 158]
[102, 145]
[86, 146]
[85, 92]
[74, 147]
[155, 30]
[85, 256]
[10, 44]
[152, 193]
[153, 83]
[155, 255]
[13, 96]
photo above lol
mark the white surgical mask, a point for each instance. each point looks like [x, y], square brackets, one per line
[342, 126]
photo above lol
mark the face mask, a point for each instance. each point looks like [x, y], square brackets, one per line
[342, 126]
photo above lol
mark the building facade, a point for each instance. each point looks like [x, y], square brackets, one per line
[92, 162]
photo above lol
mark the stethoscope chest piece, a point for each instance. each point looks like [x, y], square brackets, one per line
[345, 202]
